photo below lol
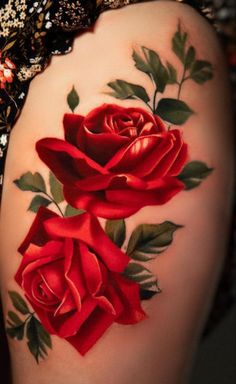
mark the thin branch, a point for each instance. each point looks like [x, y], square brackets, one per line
[54, 202]
[154, 100]
[181, 83]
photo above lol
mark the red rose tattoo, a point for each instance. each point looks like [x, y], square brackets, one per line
[113, 162]
[116, 160]
[71, 275]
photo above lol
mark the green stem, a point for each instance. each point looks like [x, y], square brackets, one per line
[154, 100]
[181, 83]
[28, 318]
[54, 202]
[149, 106]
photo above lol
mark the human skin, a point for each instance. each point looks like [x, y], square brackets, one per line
[160, 349]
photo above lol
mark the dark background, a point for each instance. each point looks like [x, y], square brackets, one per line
[216, 358]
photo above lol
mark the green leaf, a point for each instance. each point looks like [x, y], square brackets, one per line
[38, 339]
[150, 285]
[157, 70]
[73, 99]
[139, 256]
[141, 64]
[190, 57]
[124, 90]
[174, 111]
[142, 276]
[71, 211]
[153, 67]
[16, 332]
[139, 274]
[172, 74]
[37, 202]
[134, 269]
[194, 173]
[146, 294]
[149, 239]
[14, 318]
[201, 71]
[56, 188]
[31, 182]
[178, 43]
[19, 303]
[116, 230]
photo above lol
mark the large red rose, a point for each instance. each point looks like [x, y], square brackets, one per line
[116, 160]
[71, 275]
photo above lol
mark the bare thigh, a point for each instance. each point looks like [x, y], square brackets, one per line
[191, 206]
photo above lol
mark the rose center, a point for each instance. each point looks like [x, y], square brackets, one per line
[42, 293]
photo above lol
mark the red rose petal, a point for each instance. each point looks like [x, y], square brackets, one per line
[167, 188]
[69, 324]
[102, 146]
[160, 124]
[41, 293]
[72, 125]
[94, 183]
[91, 331]
[170, 158]
[60, 156]
[131, 156]
[105, 304]
[36, 256]
[67, 304]
[73, 272]
[94, 279]
[37, 234]
[91, 269]
[179, 163]
[153, 156]
[129, 293]
[100, 182]
[97, 204]
[86, 228]
[141, 116]
[53, 276]
[95, 121]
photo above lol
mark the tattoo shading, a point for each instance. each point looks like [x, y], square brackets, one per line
[172, 110]
[78, 275]
[27, 325]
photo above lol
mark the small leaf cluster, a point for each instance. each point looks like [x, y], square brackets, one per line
[145, 243]
[199, 71]
[34, 182]
[38, 339]
[172, 110]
